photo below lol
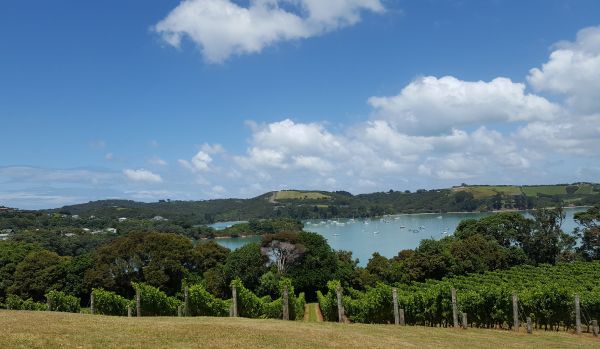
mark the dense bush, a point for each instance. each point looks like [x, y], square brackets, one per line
[16, 303]
[60, 301]
[154, 302]
[110, 303]
[203, 303]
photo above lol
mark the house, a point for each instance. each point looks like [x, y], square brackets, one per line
[4, 237]
[111, 230]
[159, 219]
[122, 219]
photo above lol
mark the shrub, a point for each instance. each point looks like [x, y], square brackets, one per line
[16, 303]
[109, 303]
[202, 303]
[60, 301]
[154, 302]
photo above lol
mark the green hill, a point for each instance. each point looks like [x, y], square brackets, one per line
[299, 204]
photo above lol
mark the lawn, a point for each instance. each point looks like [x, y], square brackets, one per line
[61, 330]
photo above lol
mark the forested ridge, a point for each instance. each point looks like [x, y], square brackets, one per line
[322, 204]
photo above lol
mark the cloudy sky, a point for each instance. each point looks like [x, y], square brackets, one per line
[200, 99]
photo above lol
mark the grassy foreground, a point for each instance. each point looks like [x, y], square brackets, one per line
[60, 330]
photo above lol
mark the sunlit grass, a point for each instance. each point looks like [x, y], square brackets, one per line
[61, 330]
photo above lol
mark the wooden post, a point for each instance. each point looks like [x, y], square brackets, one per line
[286, 305]
[454, 309]
[129, 312]
[186, 301]
[92, 303]
[465, 323]
[138, 303]
[234, 307]
[402, 320]
[529, 327]
[339, 305]
[515, 301]
[577, 315]
[180, 310]
[395, 301]
[595, 329]
[49, 304]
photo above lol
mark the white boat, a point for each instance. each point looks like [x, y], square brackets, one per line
[336, 234]
[375, 232]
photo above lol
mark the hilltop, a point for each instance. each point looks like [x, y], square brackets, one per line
[303, 204]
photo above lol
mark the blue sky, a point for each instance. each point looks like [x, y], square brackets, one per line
[202, 99]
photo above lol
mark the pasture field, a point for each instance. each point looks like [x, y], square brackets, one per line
[485, 191]
[23, 329]
[300, 195]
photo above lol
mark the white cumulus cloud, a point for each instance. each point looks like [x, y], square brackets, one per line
[432, 105]
[222, 28]
[573, 70]
[141, 175]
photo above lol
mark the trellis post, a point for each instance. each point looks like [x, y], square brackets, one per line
[515, 301]
[465, 323]
[339, 305]
[529, 326]
[138, 302]
[92, 309]
[234, 307]
[286, 305]
[402, 319]
[186, 301]
[577, 315]
[395, 300]
[454, 309]
[595, 328]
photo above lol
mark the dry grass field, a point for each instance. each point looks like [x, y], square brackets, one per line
[61, 330]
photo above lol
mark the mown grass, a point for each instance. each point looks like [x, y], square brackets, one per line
[300, 195]
[61, 330]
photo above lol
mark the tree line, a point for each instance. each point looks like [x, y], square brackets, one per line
[166, 261]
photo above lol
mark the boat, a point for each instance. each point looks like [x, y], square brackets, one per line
[375, 232]
[402, 226]
[439, 217]
[336, 234]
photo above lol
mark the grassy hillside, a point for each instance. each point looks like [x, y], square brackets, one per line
[300, 204]
[486, 191]
[300, 195]
[62, 330]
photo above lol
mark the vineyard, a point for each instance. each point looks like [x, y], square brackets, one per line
[545, 294]
[194, 300]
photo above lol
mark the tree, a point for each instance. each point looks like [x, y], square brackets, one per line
[282, 249]
[158, 259]
[11, 254]
[590, 235]
[246, 263]
[547, 240]
[40, 272]
[317, 265]
[208, 255]
[507, 228]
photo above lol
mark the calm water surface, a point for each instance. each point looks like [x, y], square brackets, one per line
[387, 235]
